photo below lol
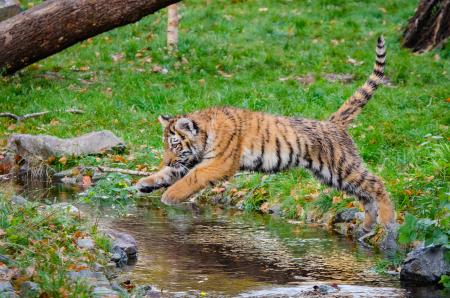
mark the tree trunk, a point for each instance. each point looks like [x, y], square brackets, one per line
[54, 25]
[429, 27]
[172, 27]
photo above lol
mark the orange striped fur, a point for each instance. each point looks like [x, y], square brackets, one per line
[206, 146]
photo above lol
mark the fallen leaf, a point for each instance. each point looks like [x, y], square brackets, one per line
[159, 69]
[119, 158]
[336, 199]
[429, 178]
[408, 192]
[300, 211]
[355, 62]
[218, 189]
[84, 68]
[306, 80]
[333, 77]
[63, 160]
[78, 268]
[448, 99]
[264, 208]
[117, 57]
[54, 122]
[51, 159]
[224, 74]
[2, 233]
[87, 181]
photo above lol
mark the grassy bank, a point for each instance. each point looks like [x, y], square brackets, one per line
[38, 244]
[250, 54]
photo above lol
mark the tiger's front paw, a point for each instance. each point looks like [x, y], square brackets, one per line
[147, 185]
[172, 197]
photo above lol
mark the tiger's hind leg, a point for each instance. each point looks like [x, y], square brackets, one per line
[370, 191]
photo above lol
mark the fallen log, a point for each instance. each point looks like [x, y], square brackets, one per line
[55, 25]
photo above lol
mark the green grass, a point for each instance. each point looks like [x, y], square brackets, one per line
[42, 244]
[402, 133]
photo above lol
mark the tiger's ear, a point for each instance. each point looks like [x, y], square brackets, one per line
[164, 120]
[187, 125]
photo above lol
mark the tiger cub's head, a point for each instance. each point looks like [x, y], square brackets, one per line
[183, 142]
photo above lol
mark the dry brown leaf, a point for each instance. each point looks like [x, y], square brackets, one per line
[218, 189]
[63, 160]
[355, 62]
[87, 181]
[224, 74]
[336, 199]
[117, 57]
[119, 158]
[264, 207]
[306, 80]
[429, 178]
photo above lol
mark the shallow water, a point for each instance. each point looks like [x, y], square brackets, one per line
[235, 254]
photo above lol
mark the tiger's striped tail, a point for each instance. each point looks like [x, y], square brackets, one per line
[352, 107]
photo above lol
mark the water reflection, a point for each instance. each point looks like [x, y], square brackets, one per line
[229, 252]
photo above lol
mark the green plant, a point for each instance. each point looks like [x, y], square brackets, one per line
[425, 229]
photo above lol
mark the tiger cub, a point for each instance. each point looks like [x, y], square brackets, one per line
[210, 145]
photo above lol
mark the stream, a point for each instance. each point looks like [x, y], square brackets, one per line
[229, 253]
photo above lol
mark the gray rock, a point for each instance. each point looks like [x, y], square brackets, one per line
[326, 289]
[6, 274]
[6, 260]
[104, 292]
[115, 286]
[66, 207]
[425, 265]
[125, 242]
[29, 289]
[346, 215]
[98, 267]
[70, 180]
[75, 175]
[5, 287]
[148, 292]
[360, 216]
[8, 8]
[44, 146]
[118, 256]
[276, 210]
[18, 200]
[86, 243]
[111, 266]
[94, 279]
[66, 173]
[344, 228]
[98, 175]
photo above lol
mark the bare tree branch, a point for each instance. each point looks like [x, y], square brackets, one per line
[123, 171]
[35, 115]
